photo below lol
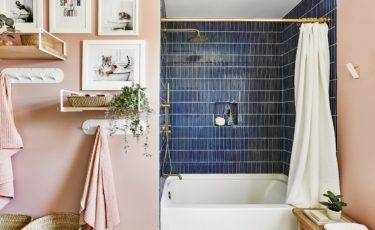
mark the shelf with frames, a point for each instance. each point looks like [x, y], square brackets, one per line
[47, 47]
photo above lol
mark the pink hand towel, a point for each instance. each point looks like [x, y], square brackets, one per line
[98, 203]
[10, 142]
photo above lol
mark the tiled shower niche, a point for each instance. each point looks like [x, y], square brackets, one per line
[225, 113]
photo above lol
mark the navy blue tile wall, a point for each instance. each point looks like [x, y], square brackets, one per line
[240, 63]
[249, 63]
[290, 34]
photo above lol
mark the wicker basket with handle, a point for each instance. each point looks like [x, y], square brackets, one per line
[13, 221]
[58, 221]
[90, 101]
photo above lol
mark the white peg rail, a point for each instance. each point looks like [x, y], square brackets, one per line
[34, 75]
[89, 127]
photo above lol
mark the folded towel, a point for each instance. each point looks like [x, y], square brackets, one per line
[10, 142]
[345, 226]
[98, 203]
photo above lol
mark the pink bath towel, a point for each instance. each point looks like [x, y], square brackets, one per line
[98, 203]
[10, 142]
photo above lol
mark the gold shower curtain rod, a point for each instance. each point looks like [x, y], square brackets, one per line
[278, 20]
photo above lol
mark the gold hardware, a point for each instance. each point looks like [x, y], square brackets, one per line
[165, 105]
[173, 175]
[197, 39]
[182, 30]
[167, 129]
[281, 20]
[358, 69]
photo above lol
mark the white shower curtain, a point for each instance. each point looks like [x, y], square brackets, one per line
[313, 166]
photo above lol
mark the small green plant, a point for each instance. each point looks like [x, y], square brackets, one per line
[131, 104]
[334, 203]
[7, 24]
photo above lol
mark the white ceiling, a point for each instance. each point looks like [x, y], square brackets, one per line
[229, 8]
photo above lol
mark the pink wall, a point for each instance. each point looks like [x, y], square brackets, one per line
[356, 108]
[50, 171]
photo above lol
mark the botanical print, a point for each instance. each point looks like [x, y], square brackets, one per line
[114, 65]
[21, 11]
[117, 17]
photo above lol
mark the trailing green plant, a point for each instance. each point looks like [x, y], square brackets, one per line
[7, 25]
[335, 202]
[131, 105]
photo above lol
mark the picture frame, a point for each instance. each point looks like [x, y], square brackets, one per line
[70, 16]
[118, 17]
[112, 64]
[27, 14]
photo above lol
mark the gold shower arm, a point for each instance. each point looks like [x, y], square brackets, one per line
[181, 30]
[278, 20]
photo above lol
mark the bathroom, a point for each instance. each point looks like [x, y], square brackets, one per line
[230, 108]
[219, 79]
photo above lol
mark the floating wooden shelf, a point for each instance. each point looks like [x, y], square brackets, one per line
[28, 52]
[66, 109]
[70, 109]
[56, 50]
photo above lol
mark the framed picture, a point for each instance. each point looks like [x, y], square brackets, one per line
[27, 14]
[118, 17]
[70, 16]
[112, 64]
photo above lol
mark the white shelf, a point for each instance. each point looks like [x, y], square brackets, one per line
[40, 51]
[70, 109]
[82, 109]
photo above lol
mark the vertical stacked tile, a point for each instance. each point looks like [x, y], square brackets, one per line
[163, 91]
[290, 34]
[241, 63]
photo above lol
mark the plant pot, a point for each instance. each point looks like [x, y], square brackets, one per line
[333, 215]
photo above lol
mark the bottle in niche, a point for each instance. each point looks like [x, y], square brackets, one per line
[228, 115]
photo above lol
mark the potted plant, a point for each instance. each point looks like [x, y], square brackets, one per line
[131, 105]
[334, 205]
[6, 27]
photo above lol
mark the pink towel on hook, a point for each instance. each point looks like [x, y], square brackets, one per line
[10, 142]
[98, 203]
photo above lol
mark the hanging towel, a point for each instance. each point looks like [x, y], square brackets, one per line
[10, 142]
[313, 165]
[345, 226]
[98, 203]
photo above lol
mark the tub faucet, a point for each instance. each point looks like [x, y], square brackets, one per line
[174, 175]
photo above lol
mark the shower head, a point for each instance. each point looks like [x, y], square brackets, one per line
[199, 38]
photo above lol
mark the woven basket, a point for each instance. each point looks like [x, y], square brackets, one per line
[58, 221]
[89, 101]
[13, 222]
[33, 39]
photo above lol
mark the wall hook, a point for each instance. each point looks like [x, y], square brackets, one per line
[354, 70]
[34, 75]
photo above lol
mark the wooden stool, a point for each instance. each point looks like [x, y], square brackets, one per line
[304, 222]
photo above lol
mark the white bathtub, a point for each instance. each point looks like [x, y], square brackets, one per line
[226, 202]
